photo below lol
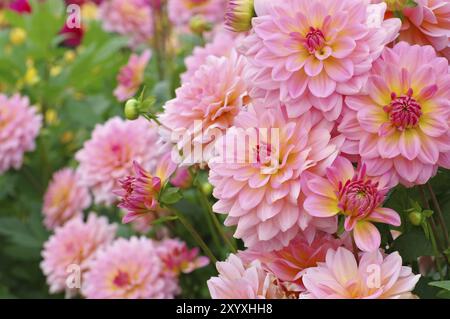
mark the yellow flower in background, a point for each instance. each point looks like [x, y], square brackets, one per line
[67, 137]
[55, 70]
[3, 21]
[51, 117]
[89, 11]
[31, 75]
[17, 36]
[69, 56]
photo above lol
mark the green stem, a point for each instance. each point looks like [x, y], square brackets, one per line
[207, 205]
[195, 235]
[440, 216]
[433, 237]
[209, 222]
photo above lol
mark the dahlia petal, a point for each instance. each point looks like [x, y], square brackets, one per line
[433, 126]
[385, 215]
[320, 206]
[321, 85]
[409, 143]
[341, 171]
[378, 90]
[388, 146]
[343, 47]
[367, 237]
[313, 66]
[339, 70]
[321, 186]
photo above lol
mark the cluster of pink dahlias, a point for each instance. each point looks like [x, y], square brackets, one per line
[311, 117]
[84, 258]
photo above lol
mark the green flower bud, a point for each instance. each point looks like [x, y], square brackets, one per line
[207, 188]
[415, 218]
[132, 109]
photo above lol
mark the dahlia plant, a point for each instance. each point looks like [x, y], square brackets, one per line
[225, 149]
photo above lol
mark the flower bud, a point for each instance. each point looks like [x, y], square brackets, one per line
[132, 109]
[415, 218]
[239, 14]
[199, 25]
[207, 188]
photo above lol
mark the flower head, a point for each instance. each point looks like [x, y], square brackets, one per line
[425, 22]
[237, 280]
[72, 35]
[182, 11]
[140, 192]
[221, 45]
[20, 6]
[133, 18]
[75, 243]
[206, 106]
[129, 269]
[239, 14]
[356, 196]
[374, 276]
[64, 199]
[131, 76]
[257, 173]
[312, 52]
[19, 127]
[108, 156]
[399, 124]
[178, 258]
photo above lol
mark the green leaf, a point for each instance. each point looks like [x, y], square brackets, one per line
[171, 196]
[412, 245]
[441, 284]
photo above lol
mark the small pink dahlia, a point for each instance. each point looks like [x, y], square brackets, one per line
[178, 258]
[237, 280]
[133, 18]
[108, 156]
[19, 127]
[257, 173]
[312, 52]
[64, 199]
[356, 196]
[221, 45]
[181, 11]
[206, 105]
[129, 269]
[74, 244]
[374, 276]
[131, 76]
[399, 124]
[139, 193]
[290, 263]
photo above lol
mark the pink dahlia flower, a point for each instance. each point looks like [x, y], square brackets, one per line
[426, 23]
[375, 276]
[74, 244]
[312, 52]
[181, 11]
[237, 280]
[290, 263]
[257, 173]
[64, 199]
[178, 258]
[131, 76]
[20, 6]
[399, 124]
[109, 155]
[356, 196]
[133, 18]
[206, 105]
[129, 269]
[221, 45]
[19, 127]
[139, 193]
